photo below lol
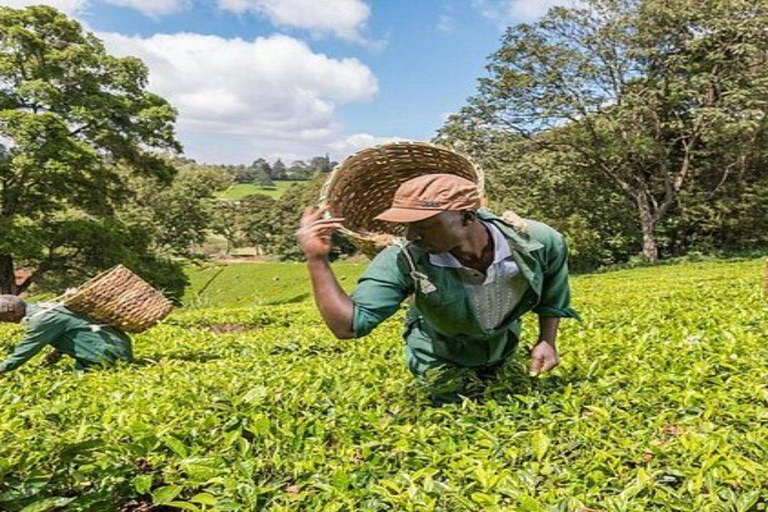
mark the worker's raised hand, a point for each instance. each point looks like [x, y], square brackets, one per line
[314, 233]
[543, 358]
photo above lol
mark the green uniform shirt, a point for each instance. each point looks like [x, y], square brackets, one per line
[441, 326]
[71, 333]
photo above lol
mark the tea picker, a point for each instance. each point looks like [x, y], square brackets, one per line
[88, 323]
[471, 274]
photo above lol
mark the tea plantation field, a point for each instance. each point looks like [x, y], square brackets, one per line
[660, 404]
[253, 284]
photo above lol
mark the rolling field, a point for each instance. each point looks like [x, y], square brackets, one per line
[660, 404]
[251, 284]
[241, 190]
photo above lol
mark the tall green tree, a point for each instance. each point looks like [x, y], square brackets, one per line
[259, 221]
[181, 214]
[652, 95]
[226, 220]
[278, 170]
[77, 123]
[243, 174]
[264, 171]
[299, 170]
[321, 164]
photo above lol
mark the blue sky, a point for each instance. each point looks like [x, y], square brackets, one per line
[297, 78]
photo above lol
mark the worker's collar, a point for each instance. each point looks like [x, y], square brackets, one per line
[519, 240]
[501, 250]
[30, 310]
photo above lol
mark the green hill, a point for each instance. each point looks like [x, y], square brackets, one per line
[242, 190]
[660, 403]
[245, 284]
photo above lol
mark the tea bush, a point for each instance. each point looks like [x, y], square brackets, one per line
[660, 403]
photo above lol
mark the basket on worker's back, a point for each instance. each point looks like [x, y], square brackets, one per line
[120, 298]
[363, 185]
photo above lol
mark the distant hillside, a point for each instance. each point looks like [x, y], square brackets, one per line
[241, 190]
[244, 284]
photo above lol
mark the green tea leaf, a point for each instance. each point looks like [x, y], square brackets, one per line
[204, 498]
[142, 483]
[540, 444]
[183, 505]
[47, 504]
[165, 495]
[177, 447]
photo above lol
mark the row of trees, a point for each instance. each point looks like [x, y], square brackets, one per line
[261, 172]
[269, 224]
[632, 125]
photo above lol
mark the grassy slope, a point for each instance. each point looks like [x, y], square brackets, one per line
[660, 404]
[245, 284]
[242, 190]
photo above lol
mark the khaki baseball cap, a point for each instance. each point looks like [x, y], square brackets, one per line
[426, 196]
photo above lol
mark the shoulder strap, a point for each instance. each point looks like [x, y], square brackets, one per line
[420, 280]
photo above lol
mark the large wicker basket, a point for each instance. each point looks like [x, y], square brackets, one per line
[120, 298]
[363, 185]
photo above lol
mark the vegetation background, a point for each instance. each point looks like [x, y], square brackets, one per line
[635, 127]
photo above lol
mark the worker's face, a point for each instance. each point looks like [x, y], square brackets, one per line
[440, 233]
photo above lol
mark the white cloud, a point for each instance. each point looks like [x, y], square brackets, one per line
[67, 6]
[346, 19]
[343, 18]
[446, 20]
[446, 23]
[153, 7]
[506, 12]
[358, 141]
[238, 99]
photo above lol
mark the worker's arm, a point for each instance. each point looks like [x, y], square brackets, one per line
[40, 332]
[333, 302]
[555, 298]
[555, 302]
[335, 306]
[544, 354]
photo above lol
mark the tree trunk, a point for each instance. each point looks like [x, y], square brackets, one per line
[650, 248]
[7, 275]
[647, 226]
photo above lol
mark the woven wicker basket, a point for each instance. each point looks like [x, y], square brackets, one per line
[120, 298]
[363, 185]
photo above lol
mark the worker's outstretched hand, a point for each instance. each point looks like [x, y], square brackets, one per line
[314, 234]
[52, 358]
[543, 358]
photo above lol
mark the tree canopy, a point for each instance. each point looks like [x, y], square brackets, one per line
[663, 102]
[76, 123]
